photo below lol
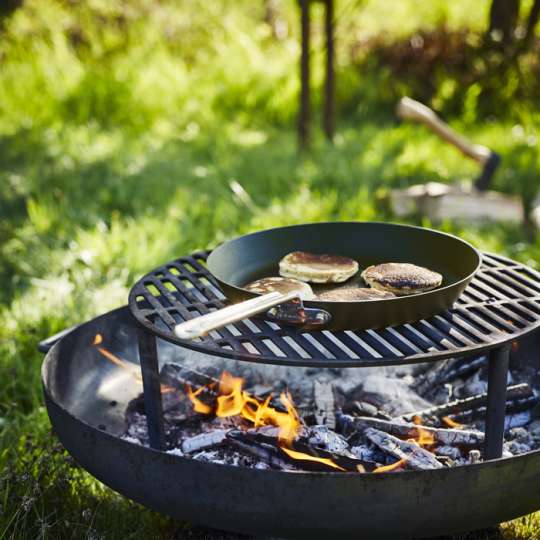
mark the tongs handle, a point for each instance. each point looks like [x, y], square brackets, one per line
[200, 326]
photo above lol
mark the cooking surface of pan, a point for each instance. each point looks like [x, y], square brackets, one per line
[257, 255]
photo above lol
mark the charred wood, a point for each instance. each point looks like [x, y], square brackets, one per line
[464, 367]
[269, 453]
[447, 437]
[518, 396]
[323, 395]
[203, 441]
[177, 377]
[448, 371]
[517, 413]
[327, 439]
[269, 450]
[432, 377]
[416, 457]
[363, 408]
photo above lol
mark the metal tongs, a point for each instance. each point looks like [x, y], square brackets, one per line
[281, 307]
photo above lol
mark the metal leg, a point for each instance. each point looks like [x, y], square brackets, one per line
[496, 401]
[152, 388]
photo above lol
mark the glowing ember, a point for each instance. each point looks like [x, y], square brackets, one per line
[393, 467]
[306, 457]
[423, 438]
[451, 423]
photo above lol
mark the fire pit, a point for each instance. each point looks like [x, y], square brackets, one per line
[337, 463]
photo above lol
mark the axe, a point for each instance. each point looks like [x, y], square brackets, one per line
[409, 109]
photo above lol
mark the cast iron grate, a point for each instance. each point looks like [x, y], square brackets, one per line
[501, 304]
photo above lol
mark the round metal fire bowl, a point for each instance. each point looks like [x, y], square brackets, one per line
[86, 398]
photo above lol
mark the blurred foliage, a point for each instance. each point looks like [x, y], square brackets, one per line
[123, 125]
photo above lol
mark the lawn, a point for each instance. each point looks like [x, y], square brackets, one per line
[123, 126]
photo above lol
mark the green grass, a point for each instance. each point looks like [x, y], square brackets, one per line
[121, 130]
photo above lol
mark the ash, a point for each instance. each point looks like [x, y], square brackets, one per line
[360, 419]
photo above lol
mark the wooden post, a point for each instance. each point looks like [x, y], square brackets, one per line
[305, 101]
[329, 107]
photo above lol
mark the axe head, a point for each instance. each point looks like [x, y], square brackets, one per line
[488, 170]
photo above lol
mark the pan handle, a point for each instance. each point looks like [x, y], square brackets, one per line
[409, 109]
[200, 326]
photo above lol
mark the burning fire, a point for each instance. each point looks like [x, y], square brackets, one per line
[451, 423]
[306, 457]
[124, 364]
[232, 400]
[229, 399]
[424, 438]
[393, 467]
[98, 340]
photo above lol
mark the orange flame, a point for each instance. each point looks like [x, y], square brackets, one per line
[392, 467]
[306, 457]
[233, 401]
[198, 405]
[451, 423]
[423, 438]
[124, 364]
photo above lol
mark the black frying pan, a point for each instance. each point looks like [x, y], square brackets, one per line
[247, 258]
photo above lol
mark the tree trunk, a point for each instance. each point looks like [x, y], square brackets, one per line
[531, 23]
[503, 17]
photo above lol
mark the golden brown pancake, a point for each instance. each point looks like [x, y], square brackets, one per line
[353, 294]
[401, 278]
[282, 285]
[317, 268]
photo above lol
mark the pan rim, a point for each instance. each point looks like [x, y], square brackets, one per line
[336, 304]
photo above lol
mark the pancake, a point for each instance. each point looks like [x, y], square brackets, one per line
[317, 268]
[401, 278]
[353, 294]
[280, 284]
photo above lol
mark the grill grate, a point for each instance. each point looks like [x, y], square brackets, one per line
[501, 304]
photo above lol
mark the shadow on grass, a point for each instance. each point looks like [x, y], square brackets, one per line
[53, 190]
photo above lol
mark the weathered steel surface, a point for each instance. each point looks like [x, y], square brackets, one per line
[82, 392]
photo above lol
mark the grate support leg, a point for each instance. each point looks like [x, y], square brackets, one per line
[152, 388]
[496, 401]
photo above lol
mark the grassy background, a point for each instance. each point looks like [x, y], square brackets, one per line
[122, 126]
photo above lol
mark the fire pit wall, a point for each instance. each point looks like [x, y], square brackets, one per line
[92, 395]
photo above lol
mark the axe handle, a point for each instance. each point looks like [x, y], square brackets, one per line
[409, 109]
